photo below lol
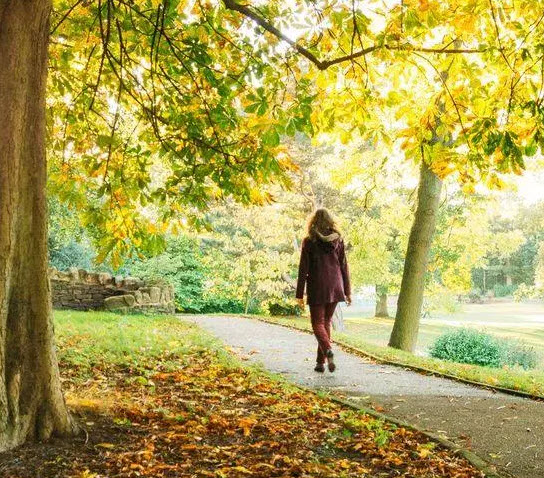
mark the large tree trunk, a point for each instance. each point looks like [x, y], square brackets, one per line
[404, 334]
[381, 301]
[31, 402]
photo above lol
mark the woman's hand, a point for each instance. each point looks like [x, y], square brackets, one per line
[300, 303]
[348, 300]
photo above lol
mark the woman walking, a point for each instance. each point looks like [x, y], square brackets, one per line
[323, 270]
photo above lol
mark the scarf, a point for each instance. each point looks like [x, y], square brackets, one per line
[328, 238]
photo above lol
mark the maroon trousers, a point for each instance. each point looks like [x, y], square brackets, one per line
[321, 315]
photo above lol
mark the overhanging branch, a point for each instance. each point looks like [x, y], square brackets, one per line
[324, 64]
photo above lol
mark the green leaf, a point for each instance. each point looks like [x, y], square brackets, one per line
[271, 138]
[104, 140]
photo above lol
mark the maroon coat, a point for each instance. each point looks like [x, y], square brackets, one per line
[324, 270]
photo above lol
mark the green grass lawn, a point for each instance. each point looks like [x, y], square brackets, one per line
[90, 340]
[371, 335]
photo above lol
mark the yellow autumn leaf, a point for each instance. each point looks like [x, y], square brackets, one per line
[468, 188]
[465, 24]
[494, 182]
[242, 469]
[246, 424]
[87, 474]
[424, 452]
[109, 446]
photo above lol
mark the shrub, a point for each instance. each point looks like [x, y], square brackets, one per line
[467, 346]
[503, 290]
[228, 305]
[181, 265]
[525, 291]
[479, 348]
[70, 254]
[475, 296]
[520, 354]
[283, 308]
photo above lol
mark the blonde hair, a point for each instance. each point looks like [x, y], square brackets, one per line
[321, 222]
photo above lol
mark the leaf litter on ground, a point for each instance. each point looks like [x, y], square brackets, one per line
[201, 414]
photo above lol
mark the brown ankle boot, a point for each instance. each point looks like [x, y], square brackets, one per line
[330, 361]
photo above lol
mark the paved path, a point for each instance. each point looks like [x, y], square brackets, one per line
[502, 429]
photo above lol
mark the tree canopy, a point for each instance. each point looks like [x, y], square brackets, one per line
[157, 108]
[466, 71]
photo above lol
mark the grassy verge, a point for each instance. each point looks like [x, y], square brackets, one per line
[160, 398]
[378, 330]
[529, 381]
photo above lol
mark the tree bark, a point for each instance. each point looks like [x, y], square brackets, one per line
[381, 302]
[508, 272]
[31, 401]
[405, 330]
[248, 301]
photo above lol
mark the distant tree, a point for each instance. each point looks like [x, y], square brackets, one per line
[250, 252]
[68, 244]
[539, 273]
[467, 234]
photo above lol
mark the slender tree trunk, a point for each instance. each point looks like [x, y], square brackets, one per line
[404, 334]
[31, 402]
[508, 273]
[248, 300]
[381, 301]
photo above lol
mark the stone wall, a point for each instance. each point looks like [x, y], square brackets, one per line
[82, 290]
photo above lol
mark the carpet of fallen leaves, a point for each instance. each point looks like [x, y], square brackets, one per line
[206, 418]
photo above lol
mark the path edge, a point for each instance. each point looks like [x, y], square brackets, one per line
[415, 368]
[475, 460]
